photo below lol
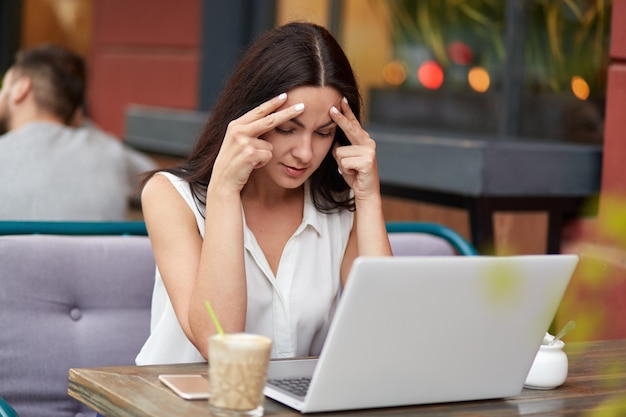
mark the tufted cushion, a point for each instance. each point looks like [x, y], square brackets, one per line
[68, 301]
[84, 301]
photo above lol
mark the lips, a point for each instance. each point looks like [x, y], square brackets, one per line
[294, 171]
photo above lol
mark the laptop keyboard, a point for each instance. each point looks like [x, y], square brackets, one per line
[297, 386]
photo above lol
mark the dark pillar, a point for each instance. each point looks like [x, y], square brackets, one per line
[10, 18]
[335, 18]
[227, 29]
[513, 69]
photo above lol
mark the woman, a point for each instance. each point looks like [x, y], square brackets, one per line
[265, 217]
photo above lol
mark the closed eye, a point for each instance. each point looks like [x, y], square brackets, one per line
[325, 134]
[284, 131]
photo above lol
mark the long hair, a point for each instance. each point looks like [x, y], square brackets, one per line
[290, 56]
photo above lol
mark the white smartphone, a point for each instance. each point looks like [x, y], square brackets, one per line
[189, 387]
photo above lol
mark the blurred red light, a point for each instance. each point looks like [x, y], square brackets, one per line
[460, 53]
[430, 75]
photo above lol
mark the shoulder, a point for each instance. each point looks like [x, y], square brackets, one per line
[167, 211]
[34, 138]
[31, 130]
[166, 186]
[167, 179]
[161, 195]
[7, 138]
[96, 134]
[159, 184]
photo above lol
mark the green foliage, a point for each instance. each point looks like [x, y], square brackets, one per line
[567, 38]
[562, 38]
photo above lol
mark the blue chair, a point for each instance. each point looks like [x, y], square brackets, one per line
[138, 228]
[6, 410]
[80, 228]
[462, 246]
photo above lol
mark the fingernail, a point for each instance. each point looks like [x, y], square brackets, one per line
[299, 107]
[334, 110]
[282, 96]
[345, 100]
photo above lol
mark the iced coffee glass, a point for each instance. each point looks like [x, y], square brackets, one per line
[237, 371]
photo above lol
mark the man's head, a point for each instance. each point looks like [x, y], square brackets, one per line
[50, 78]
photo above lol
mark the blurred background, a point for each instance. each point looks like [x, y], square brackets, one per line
[531, 70]
[535, 69]
[540, 83]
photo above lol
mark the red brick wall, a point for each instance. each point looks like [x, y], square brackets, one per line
[143, 52]
[596, 297]
[613, 172]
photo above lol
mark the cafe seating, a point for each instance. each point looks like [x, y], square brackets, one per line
[78, 294]
[69, 301]
[424, 238]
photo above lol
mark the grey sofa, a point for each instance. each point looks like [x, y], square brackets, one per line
[68, 301]
[84, 301]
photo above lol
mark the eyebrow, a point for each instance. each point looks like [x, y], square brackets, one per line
[299, 123]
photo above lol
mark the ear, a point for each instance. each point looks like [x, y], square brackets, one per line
[21, 89]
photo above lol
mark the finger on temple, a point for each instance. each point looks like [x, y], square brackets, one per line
[272, 120]
[264, 109]
[347, 110]
[351, 127]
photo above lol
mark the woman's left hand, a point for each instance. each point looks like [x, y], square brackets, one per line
[357, 163]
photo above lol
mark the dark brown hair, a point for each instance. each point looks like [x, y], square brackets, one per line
[58, 77]
[290, 56]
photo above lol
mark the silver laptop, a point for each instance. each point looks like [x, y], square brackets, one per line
[418, 330]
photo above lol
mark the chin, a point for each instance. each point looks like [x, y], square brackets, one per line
[291, 183]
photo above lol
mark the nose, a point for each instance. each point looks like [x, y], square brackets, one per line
[302, 148]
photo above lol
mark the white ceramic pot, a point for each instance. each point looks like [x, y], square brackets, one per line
[549, 369]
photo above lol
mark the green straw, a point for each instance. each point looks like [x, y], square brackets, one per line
[569, 326]
[214, 318]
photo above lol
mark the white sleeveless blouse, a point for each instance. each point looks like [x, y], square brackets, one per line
[293, 308]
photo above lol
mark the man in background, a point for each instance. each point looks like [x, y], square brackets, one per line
[51, 166]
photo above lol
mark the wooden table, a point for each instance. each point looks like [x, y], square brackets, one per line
[596, 382]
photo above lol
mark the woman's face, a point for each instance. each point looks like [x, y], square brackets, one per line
[301, 144]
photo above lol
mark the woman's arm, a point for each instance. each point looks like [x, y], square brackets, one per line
[358, 166]
[192, 268]
[196, 270]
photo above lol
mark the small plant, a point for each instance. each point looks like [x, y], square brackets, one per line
[562, 38]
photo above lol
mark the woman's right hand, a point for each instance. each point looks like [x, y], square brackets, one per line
[243, 150]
